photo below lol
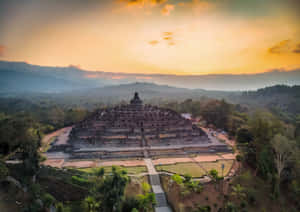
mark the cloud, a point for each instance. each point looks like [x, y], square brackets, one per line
[91, 76]
[144, 78]
[74, 66]
[168, 38]
[285, 46]
[166, 10]
[117, 77]
[156, 2]
[2, 50]
[143, 3]
[197, 6]
[153, 42]
[297, 49]
[168, 33]
[281, 47]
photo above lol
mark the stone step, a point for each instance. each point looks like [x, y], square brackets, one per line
[163, 209]
[161, 200]
[154, 179]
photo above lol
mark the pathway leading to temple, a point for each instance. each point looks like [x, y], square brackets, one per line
[162, 205]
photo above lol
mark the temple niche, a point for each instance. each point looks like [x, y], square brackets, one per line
[134, 127]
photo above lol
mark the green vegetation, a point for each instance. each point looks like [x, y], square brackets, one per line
[268, 144]
[128, 169]
[186, 185]
[196, 170]
[182, 168]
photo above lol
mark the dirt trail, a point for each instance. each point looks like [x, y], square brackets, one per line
[47, 138]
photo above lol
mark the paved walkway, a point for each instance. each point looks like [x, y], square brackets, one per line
[162, 205]
[117, 149]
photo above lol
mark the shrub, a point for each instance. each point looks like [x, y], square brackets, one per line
[48, 200]
[204, 209]
[243, 204]
[239, 158]
[80, 181]
[130, 204]
[176, 178]
[230, 207]
[185, 192]
[187, 178]
[251, 196]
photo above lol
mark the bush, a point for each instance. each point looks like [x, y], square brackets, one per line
[187, 178]
[251, 196]
[177, 178]
[80, 181]
[239, 158]
[185, 192]
[230, 207]
[204, 209]
[48, 200]
[130, 204]
[244, 136]
[3, 171]
[243, 204]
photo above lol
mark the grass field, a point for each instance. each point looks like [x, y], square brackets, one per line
[129, 169]
[195, 170]
[218, 166]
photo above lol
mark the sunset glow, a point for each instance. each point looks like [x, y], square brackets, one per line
[153, 36]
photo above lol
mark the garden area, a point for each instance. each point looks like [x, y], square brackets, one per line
[197, 169]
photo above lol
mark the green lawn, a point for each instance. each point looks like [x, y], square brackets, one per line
[218, 166]
[195, 170]
[129, 169]
[182, 168]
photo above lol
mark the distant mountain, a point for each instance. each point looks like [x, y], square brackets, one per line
[281, 99]
[284, 100]
[19, 77]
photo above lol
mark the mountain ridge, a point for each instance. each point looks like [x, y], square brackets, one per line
[77, 79]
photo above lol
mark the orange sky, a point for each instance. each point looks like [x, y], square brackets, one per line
[153, 36]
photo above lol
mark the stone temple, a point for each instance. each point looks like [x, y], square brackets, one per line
[138, 130]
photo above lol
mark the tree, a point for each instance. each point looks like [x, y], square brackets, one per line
[283, 150]
[230, 207]
[176, 178]
[3, 171]
[215, 176]
[244, 136]
[111, 191]
[48, 200]
[90, 204]
[100, 172]
[146, 201]
[238, 191]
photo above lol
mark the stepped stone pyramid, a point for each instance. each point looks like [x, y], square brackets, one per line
[130, 129]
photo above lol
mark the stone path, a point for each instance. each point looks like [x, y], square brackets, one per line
[177, 146]
[162, 205]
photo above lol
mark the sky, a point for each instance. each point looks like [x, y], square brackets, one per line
[182, 37]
